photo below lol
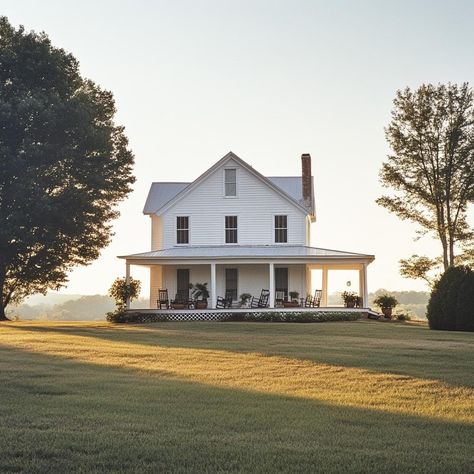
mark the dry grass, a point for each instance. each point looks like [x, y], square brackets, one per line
[236, 397]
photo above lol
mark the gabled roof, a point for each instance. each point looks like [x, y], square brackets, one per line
[162, 195]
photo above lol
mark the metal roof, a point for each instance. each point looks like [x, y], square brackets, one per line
[162, 193]
[246, 251]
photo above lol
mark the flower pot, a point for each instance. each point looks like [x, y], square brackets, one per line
[177, 305]
[290, 304]
[201, 304]
[350, 304]
[387, 312]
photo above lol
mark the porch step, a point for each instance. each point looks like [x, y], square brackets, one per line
[373, 315]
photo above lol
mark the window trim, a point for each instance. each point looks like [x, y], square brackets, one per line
[225, 182]
[176, 230]
[275, 228]
[230, 228]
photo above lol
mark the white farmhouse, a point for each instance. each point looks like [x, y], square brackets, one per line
[240, 232]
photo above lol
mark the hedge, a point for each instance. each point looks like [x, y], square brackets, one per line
[264, 316]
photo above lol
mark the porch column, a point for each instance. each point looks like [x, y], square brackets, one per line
[213, 286]
[127, 282]
[365, 302]
[324, 295]
[271, 285]
[309, 280]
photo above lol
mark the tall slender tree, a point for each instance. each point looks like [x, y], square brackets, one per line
[64, 165]
[431, 169]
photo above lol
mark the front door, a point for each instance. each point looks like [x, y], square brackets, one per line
[281, 280]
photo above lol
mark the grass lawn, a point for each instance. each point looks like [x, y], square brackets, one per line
[235, 397]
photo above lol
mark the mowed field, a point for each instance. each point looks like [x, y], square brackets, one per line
[235, 397]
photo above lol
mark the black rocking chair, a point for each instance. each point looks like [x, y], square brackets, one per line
[163, 299]
[226, 301]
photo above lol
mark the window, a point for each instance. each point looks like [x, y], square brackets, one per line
[230, 229]
[281, 229]
[230, 182]
[231, 282]
[182, 230]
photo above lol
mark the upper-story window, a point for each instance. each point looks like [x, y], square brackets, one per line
[230, 229]
[281, 229]
[230, 182]
[182, 230]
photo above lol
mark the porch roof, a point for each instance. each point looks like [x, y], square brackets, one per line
[225, 252]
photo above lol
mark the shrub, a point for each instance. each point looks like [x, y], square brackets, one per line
[120, 291]
[451, 305]
[300, 317]
[386, 301]
[403, 317]
[121, 316]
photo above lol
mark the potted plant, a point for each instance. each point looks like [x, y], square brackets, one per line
[293, 303]
[201, 294]
[244, 299]
[350, 299]
[386, 304]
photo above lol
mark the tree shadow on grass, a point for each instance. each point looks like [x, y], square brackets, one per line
[421, 357]
[60, 415]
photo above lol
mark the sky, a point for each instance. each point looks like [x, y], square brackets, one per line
[269, 80]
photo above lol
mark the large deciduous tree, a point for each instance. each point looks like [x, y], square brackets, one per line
[64, 165]
[431, 169]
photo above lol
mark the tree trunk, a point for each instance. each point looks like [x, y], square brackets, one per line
[3, 316]
[451, 252]
[444, 243]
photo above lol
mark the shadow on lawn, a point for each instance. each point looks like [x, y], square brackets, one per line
[59, 415]
[360, 346]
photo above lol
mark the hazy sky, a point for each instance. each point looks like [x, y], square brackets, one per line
[268, 80]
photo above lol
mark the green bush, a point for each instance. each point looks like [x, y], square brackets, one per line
[120, 316]
[306, 317]
[403, 317]
[451, 305]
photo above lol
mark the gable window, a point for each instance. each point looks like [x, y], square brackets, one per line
[281, 229]
[230, 182]
[182, 230]
[230, 229]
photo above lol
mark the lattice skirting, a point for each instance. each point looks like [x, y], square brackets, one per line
[201, 316]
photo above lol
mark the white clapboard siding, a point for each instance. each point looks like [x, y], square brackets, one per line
[255, 205]
[156, 233]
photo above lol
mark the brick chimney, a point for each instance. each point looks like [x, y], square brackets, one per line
[306, 179]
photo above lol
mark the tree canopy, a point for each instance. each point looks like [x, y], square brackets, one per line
[64, 165]
[431, 169]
